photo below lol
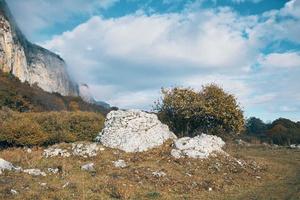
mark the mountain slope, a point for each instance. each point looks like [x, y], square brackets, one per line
[22, 97]
[30, 62]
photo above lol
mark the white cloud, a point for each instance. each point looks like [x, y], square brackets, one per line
[282, 60]
[33, 16]
[126, 60]
[243, 1]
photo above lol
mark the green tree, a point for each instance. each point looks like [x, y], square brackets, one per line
[255, 126]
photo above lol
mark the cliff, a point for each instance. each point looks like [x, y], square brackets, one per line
[30, 62]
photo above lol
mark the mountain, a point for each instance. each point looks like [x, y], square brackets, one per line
[29, 62]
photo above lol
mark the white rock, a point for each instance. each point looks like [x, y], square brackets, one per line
[28, 150]
[120, 164]
[53, 170]
[66, 184]
[14, 192]
[198, 147]
[53, 152]
[34, 172]
[293, 146]
[43, 184]
[5, 165]
[159, 174]
[88, 167]
[133, 131]
[85, 150]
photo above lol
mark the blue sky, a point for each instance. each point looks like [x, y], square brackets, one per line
[126, 50]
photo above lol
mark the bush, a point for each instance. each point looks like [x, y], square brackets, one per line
[27, 129]
[188, 112]
[22, 132]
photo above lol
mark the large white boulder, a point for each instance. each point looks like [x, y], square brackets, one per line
[134, 131]
[201, 146]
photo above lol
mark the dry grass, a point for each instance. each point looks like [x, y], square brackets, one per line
[268, 174]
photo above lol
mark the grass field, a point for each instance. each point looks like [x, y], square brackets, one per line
[257, 173]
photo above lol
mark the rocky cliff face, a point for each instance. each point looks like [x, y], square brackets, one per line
[30, 62]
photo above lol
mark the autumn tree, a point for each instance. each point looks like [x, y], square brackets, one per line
[188, 112]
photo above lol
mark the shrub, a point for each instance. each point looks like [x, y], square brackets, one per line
[27, 129]
[188, 112]
[22, 131]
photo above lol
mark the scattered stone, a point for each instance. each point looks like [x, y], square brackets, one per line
[295, 146]
[28, 150]
[43, 184]
[120, 164]
[242, 142]
[210, 189]
[88, 167]
[13, 192]
[242, 163]
[53, 170]
[66, 184]
[85, 150]
[5, 165]
[34, 172]
[102, 149]
[159, 174]
[53, 152]
[133, 131]
[201, 146]
[190, 175]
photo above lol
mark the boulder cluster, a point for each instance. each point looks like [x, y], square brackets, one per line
[137, 131]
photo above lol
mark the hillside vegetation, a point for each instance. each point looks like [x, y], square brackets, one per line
[44, 128]
[22, 97]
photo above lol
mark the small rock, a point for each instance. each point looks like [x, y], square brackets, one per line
[5, 165]
[14, 192]
[210, 189]
[53, 152]
[190, 175]
[120, 164]
[43, 184]
[85, 150]
[53, 170]
[34, 172]
[159, 174]
[29, 150]
[66, 184]
[88, 167]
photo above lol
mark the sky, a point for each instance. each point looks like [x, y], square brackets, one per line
[127, 50]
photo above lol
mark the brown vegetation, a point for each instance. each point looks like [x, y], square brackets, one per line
[261, 177]
[24, 98]
[188, 112]
[28, 129]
